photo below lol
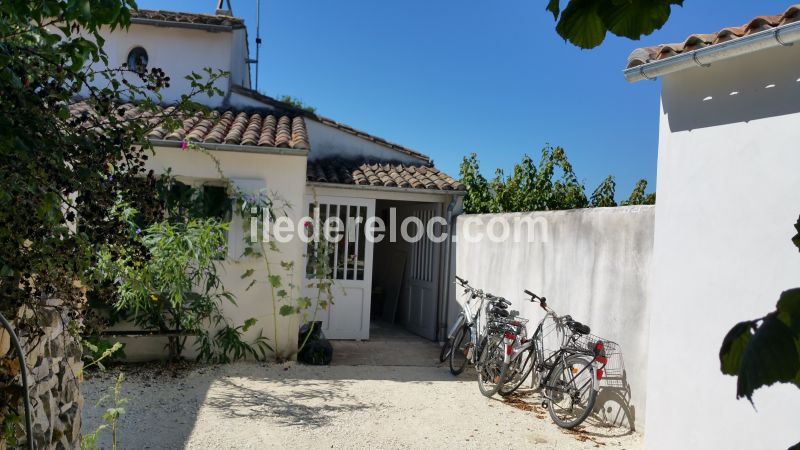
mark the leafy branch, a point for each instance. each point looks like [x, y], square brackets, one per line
[766, 350]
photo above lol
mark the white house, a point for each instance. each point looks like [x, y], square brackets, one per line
[728, 195]
[263, 143]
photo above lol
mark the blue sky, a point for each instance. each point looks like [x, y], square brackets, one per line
[450, 77]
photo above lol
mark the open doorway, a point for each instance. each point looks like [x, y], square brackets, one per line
[405, 275]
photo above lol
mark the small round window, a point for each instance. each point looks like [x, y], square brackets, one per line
[137, 60]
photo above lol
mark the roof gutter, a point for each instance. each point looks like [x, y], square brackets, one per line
[782, 36]
[234, 148]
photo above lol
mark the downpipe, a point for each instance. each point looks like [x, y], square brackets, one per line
[23, 369]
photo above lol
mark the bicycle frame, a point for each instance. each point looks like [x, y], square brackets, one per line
[474, 322]
[559, 356]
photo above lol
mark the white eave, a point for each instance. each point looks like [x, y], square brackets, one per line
[785, 35]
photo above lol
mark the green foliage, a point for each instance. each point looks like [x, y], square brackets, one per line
[585, 23]
[62, 173]
[296, 103]
[284, 292]
[638, 195]
[229, 345]
[765, 351]
[478, 198]
[550, 185]
[177, 289]
[89, 441]
[98, 350]
[603, 196]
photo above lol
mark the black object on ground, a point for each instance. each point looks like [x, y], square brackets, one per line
[318, 350]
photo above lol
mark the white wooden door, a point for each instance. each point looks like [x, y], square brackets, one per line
[420, 293]
[351, 261]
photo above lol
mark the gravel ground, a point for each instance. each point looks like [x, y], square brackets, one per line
[252, 405]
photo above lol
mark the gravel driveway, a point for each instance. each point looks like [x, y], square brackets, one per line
[256, 405]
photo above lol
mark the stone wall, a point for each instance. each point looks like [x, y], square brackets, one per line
[54, 363]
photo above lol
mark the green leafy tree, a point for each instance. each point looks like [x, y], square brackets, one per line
[478, 198]
[766, 350]
[550, 185]
[639, 196]
[568, 192]
[585, 23]
[64, 166]
[603, 195]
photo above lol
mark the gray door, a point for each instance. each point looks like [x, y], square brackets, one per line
[420, 298]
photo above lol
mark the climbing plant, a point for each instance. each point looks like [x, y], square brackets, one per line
[279, 275]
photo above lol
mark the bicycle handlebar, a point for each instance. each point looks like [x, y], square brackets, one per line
[534, 297]
[461, 280]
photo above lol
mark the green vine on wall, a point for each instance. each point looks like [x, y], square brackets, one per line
[286, 295]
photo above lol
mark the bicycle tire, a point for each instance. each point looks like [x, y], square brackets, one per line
[575, 364]
[518, 371]
[458, 359]
[491, 367]
[446, 349]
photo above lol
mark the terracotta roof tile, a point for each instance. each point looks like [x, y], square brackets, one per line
[168, 17]
[697, 41]
[330, 122]
[218, 127]
[386, 174]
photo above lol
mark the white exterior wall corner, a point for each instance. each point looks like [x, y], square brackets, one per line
[593, 264]
[240, 69]
[728, 195]
[283, 174]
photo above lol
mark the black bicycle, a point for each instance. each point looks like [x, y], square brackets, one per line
[568, 376]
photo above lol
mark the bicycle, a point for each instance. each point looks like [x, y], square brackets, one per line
[474, 332]
[569, 377]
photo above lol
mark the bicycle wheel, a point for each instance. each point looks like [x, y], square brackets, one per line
[570, 392]
[491, 368]
[446, 348]
[458, 354]
[518, 371]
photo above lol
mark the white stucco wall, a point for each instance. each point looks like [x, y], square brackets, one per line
[592, 264]
[240, 70]
[328, 141]
[179, 52]
[728, 195]
[280, 173]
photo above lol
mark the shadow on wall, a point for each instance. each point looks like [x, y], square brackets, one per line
[613, 405]
[756, 86]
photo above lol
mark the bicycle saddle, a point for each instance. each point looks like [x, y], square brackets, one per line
[499, 312]
[578, 327]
